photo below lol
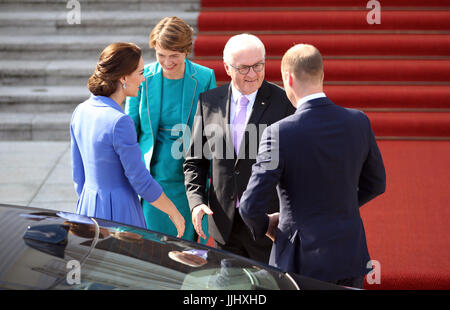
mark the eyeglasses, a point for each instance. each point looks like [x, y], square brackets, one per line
[246, 69]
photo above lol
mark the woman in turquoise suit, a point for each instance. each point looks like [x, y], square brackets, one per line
[163, 113]
[106, 159]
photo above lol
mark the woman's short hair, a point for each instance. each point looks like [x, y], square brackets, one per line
[116, 60]
[240, 42]
[173, 34]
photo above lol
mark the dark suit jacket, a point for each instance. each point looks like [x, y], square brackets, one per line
[327, 165]
[211, 153]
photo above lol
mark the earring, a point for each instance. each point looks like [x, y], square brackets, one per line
[124, 86]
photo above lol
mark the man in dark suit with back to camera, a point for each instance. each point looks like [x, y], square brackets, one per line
[325, 163]
[223, 147]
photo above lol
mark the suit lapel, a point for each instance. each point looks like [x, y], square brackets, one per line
[260, 105]
[189, 83]
[225, 106]
[154, 97]
[220, 120]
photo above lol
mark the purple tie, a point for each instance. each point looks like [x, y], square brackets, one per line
[238, 126]
[239, 122]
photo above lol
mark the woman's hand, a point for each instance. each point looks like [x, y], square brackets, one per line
[178, 220]
[164, 204]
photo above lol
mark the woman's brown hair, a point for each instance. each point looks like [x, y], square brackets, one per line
[116, 60]
[172, 33]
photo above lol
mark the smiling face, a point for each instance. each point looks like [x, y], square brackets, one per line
[134, 80]
[172, 62]
[252, 81]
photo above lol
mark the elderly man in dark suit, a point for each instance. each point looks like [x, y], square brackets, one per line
[326, 164]
[223, 147]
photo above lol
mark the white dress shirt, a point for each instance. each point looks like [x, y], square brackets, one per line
[310, 97]
[235, 96]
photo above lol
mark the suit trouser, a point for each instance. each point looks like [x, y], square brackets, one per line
[241, 242]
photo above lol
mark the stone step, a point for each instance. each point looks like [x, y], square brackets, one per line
[100, 5]
[61, 47]
[44, 99]
[34, 126]
[136, 23]
[48, 72]
[52, 59]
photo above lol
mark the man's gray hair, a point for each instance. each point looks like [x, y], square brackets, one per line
[241, 42]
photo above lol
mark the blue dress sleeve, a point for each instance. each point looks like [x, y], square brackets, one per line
[126, 146]
[77, 164]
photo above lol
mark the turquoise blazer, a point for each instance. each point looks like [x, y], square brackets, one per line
[145, 109]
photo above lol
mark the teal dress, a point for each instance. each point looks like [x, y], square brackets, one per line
[160, 104]
[165, 165]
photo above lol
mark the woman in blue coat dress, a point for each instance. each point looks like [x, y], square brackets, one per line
[163, 113]
[106, 160]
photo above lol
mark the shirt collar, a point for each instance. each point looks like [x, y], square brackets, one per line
[236, 94]
[310, 97]
[105, 101]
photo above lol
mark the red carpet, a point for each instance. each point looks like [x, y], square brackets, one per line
[361, 70]
[407, 227]
[319, 20]
[386, 97]
[398, 72]
[292, 4]
[411, 124]
[342, 45]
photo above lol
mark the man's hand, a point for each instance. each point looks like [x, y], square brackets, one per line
[197, 215]
[273, 224]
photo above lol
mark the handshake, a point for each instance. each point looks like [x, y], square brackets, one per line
[273, 224]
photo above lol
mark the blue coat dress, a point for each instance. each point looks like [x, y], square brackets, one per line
[106, 163]
[148, 113]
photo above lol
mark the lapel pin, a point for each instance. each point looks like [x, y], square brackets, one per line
[263, 103]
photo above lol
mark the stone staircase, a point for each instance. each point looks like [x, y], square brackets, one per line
[45, 61]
